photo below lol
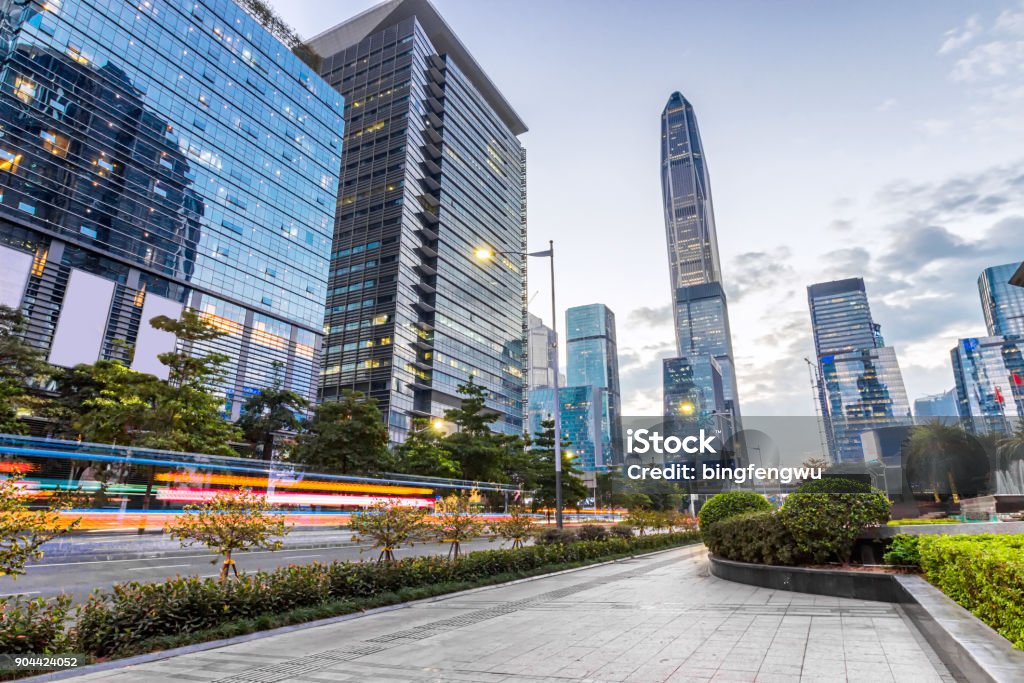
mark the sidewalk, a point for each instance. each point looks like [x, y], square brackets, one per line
[655, 618]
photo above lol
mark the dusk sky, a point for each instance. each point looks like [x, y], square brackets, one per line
[873, 139]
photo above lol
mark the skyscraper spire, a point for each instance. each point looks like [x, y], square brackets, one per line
[686, 188]
[703, 339]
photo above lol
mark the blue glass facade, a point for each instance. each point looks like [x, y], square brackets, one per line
[865, 391]
[700, 309]
[433, 172]
[989, 376]
[841, 318]
[942, 405]
[1001, 302]
[581, 413]
[592, 360]
[180, 154]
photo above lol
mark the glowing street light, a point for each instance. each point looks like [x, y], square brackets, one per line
[686, 408]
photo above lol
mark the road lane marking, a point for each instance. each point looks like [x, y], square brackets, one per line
[162, 566]
[7, 595]
[140, 559]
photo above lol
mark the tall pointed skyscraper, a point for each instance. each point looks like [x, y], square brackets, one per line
[700, 312]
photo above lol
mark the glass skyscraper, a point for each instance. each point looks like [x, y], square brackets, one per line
[1001, 302]
[541, 361]
[942, 405]
[433, 172]
[582, 422]
[592, 360]
[700, 309]
[989, 375]
[862, 387]
[157, 156]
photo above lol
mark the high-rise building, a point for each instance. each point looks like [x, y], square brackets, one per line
[692, 389]
[582, 422]
[700, 309]
[1001, 302]
[592, 360]
[861, 386]
[434, 171]
[989, 375]
[157, 158]
[942, 405]
[540, 354]
[841, 318]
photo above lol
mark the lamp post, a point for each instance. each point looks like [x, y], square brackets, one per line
[486, 254]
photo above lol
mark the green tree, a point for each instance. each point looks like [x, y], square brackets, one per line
[943, 459]
[23, 530]
[19, 364]
[273, 409]
[117, 403]
[234, 520]
[517, 527]
[424, 453]
[482, 454]
[542, 451]
[346, 437]
[455, 523]
[390, 525]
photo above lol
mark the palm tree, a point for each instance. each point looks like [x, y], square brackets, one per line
[940, 459]
[1010, 462]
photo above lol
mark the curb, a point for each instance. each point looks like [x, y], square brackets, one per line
[156, 554]
[215, 644]
[965, 644]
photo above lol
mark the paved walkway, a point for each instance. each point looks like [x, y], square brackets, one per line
[657, 618]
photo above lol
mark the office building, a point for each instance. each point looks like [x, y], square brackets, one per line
[692, 389]
[700, 310]
[936, 406]
[989, 376]
[434, 172]
[157, 157]
[582, 423]
[592, 360]
[861, 384]
[1001, 302]
[865, 391]
[541, 348]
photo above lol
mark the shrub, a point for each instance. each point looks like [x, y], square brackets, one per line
[623, 531]
[833, 485]
[984, 574]
[592, 532]
[729, 504]
[826, 525]
[903, 550]
[920, 521]
[759, 537]
[33, 626]
[517, 527]
[556, 535]
[124, 619]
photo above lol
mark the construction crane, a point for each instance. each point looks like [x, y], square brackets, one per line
[816, 391]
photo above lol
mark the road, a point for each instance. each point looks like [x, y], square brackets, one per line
[78, 577]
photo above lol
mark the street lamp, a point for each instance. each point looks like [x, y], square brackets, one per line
[487, 254]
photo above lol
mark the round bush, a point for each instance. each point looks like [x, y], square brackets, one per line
[623, 531]
[825, 526]
[833, 485]
[592, 532]
[729, 504]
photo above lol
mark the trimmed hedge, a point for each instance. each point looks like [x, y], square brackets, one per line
[34, 626]
[758, 537]
[984, 574]
[729, 504]
[833, 485]
[122, 620]
[903, 551]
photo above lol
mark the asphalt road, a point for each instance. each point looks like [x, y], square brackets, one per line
[79, 577]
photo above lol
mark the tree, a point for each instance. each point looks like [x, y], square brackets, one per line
[273, 409]
[19, 363]
[482, 454]
[117, 403]
[346, 437]
[234, 520]
[23, 530]
[424, 453]
[542, 453]
[1010, 462]
[456, 523]
[517, 527]
[390, 525]
[943, 459]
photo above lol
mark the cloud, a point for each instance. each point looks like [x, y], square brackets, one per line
[754, 271]
[956, 38]
[1011, 21]
[995, 59]
[840, 225]
[886, 105]
[935, 127]
[654, 317]
[640, 378]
